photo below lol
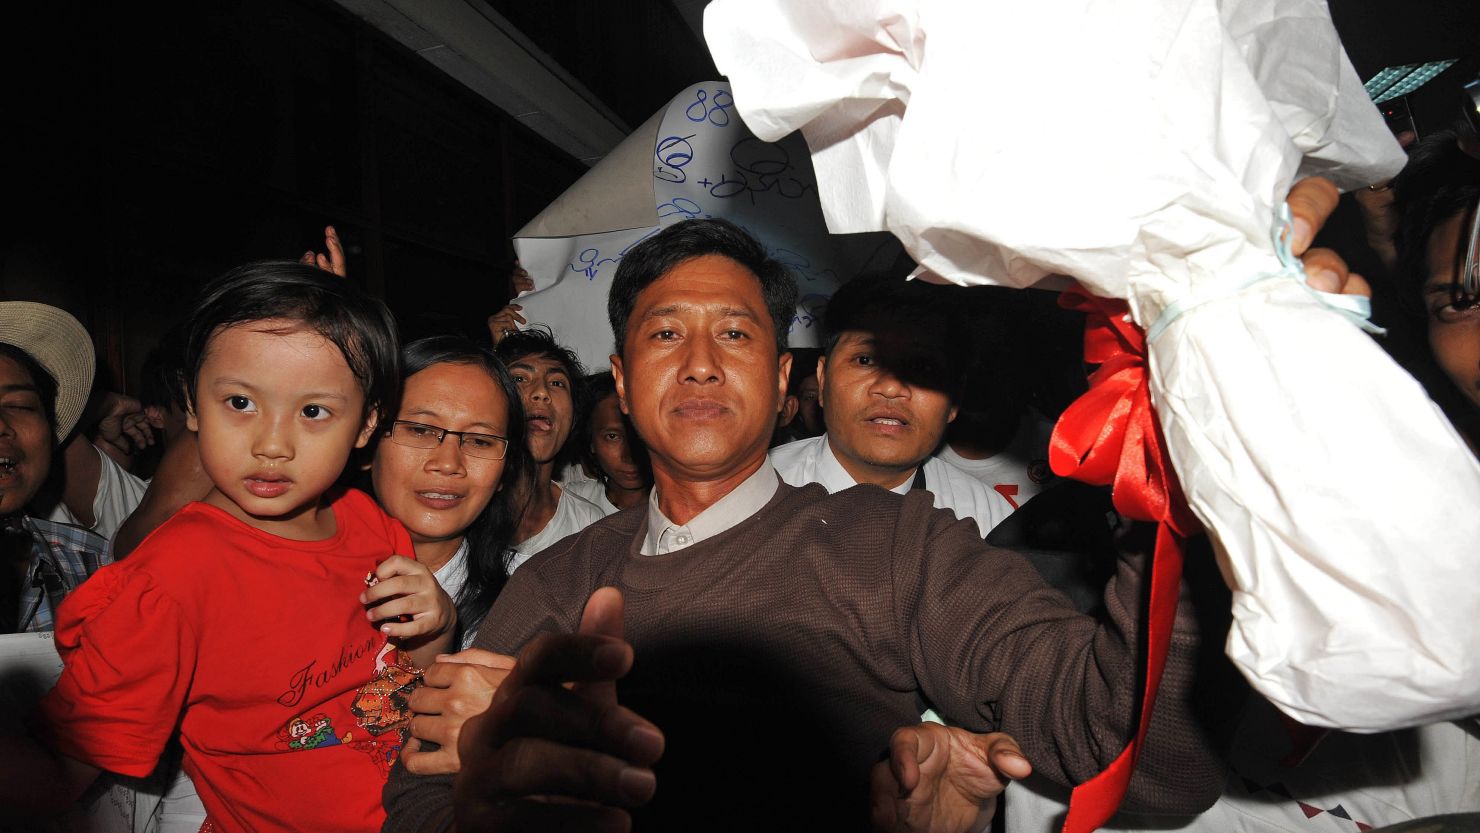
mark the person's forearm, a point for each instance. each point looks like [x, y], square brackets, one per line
[36, 783]
[1179, 771]
[83, 468]
[179, 480]
[417, 803]
[426, 653]
[1182, 766]
[1065, 685]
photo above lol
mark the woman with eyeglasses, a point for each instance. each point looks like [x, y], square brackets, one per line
[445, 468]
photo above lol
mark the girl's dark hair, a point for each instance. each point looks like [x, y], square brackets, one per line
[46, 386]
[360, 326]
[598, 386]
[492, 531]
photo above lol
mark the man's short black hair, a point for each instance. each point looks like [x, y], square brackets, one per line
[46, 385]
[1439, 182]
[887, 303]
[658, 255]
[540, 342]
[323, 303]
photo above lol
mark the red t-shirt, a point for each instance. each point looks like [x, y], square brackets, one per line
[288, 700]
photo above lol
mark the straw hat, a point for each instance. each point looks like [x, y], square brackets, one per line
[61, 346]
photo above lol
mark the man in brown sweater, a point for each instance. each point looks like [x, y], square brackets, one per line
[780, 634]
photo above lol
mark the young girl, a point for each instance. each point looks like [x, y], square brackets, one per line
[246, 620]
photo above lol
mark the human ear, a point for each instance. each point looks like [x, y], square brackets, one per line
[367, 431]
[620, 378]
[783, 367]
[789, 407]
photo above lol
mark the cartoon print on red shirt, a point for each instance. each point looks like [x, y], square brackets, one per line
[382, 705]
[311, 733]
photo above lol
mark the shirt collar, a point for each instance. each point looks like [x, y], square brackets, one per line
[835, 478]
[664, 536]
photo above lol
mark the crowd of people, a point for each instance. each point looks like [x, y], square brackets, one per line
[726, 583]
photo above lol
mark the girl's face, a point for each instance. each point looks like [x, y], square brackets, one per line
[438, 492]
[612, 446]
[1454, 333]
[277, 413]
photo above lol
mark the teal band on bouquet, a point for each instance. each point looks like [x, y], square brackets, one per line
[1355, 308]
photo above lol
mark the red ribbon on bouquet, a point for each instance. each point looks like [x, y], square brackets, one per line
[1110, 436]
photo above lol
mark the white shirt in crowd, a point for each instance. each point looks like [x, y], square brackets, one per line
[594, 492]
[572, 473]
[812, 461]
[1017, 472]
[1349, 782]
[572, 514]
[119, 493]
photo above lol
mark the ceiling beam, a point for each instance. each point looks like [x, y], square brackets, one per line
[479, 48]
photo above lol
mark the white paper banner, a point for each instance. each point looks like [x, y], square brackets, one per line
[696, 159]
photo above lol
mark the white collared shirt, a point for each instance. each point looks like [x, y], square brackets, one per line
[812, 461]
[572, 514]
[665, 536]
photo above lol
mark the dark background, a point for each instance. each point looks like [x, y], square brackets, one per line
[151, 146]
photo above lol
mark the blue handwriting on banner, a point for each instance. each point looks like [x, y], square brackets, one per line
[801, 264]
[760, 168]
[590, 261]
[794, 261]
[813, 310]
[673, 153]
[714, 109]
[680, 207]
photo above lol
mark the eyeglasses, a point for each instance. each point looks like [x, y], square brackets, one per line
[417, 435]
[1467, 282]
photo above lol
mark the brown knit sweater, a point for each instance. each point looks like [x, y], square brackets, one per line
[779, 656]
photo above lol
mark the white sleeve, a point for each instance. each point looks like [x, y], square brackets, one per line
[119, 494]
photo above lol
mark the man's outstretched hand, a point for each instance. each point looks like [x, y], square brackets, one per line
[940, 779]
[547, 756]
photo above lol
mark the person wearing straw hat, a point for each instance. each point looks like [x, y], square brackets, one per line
[46, 371]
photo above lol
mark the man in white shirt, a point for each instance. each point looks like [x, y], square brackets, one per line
[888, 383]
